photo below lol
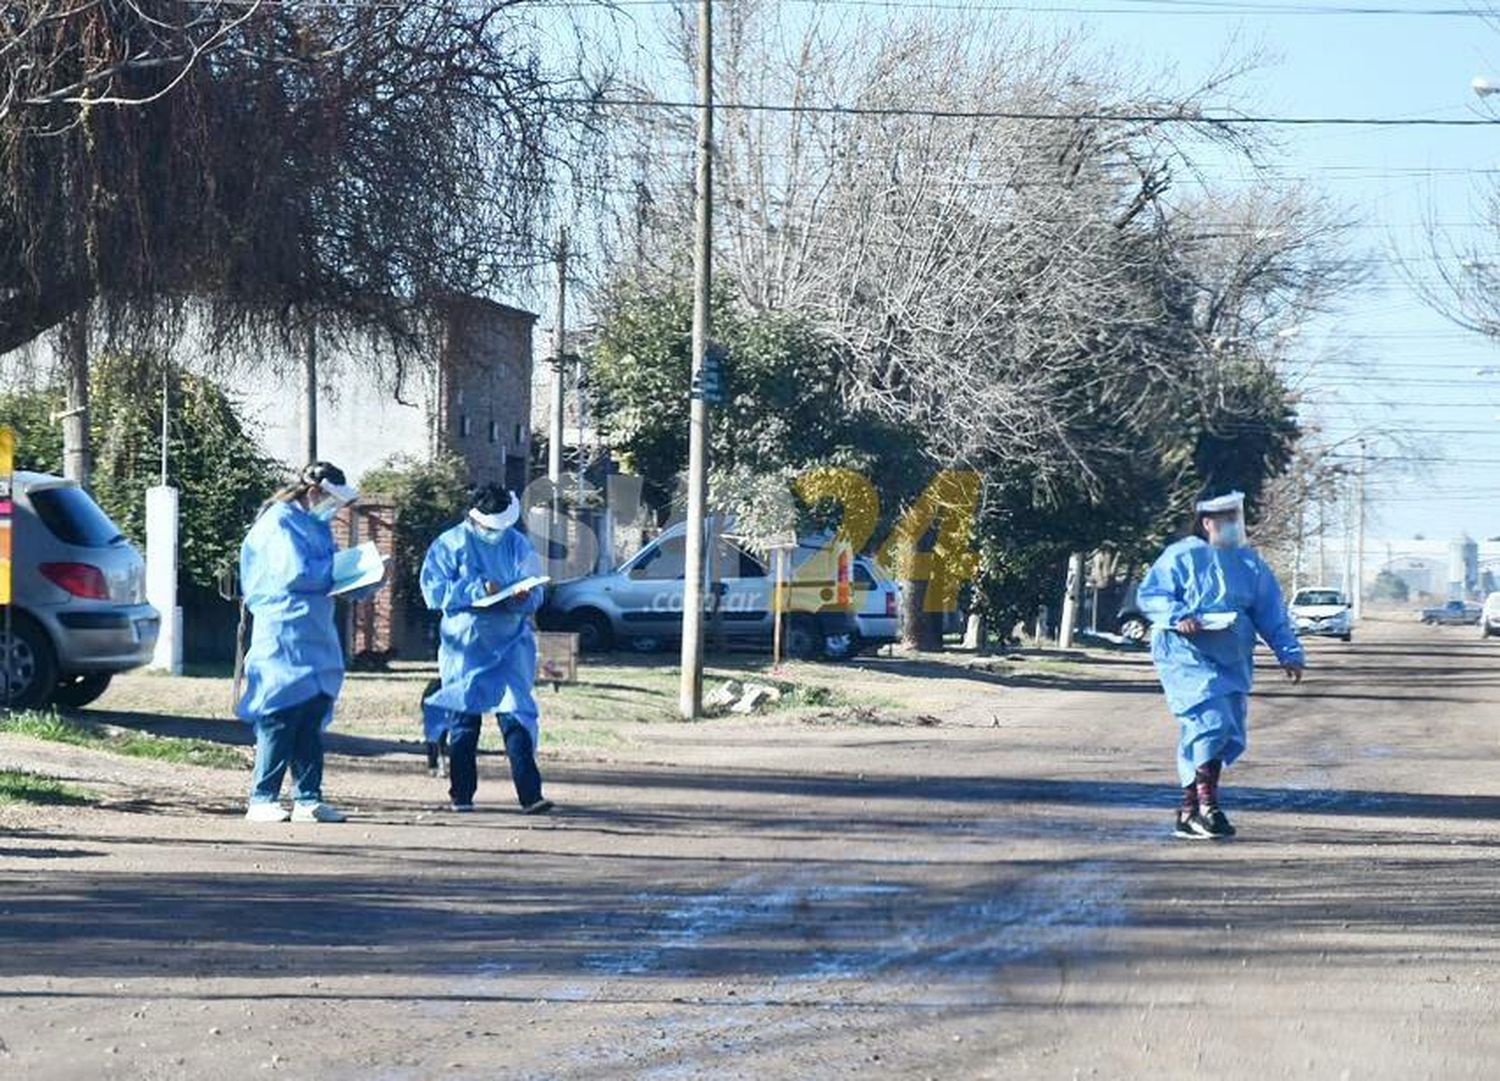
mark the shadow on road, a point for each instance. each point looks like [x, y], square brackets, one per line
[1006, 790]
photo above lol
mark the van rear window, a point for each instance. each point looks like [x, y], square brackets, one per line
[73, 518]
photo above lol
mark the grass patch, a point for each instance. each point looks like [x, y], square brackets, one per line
[56, 729]
[18, 787]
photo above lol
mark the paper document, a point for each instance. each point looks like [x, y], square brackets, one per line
[356, 568]
[523, 586]
[1218, 621]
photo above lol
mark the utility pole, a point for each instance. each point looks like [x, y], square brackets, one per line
[690, 695]
[165, 429]
[1297, 561]
[1359, 544]
[559, 353]
[1322, 540]
[1349, 513]
[74, 345]
[310, 394]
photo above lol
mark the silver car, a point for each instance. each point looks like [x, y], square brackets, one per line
[640, 603]
[79, 589]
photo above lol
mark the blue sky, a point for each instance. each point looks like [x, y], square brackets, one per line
[1385, 361]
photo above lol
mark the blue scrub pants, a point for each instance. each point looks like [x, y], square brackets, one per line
[1210, 730]
[463, 765]
[291, 737]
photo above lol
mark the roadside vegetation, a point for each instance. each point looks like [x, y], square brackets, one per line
[98, 737]
[19, 787]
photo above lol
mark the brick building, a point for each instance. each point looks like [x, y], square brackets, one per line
[481, 408]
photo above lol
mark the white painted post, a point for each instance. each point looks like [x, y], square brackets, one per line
[1072, 599]
[161, 576]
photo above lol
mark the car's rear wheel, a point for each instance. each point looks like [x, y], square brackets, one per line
[28, 663]
[77, 691]
[801, 640]
[1134, 629]
[595, 635]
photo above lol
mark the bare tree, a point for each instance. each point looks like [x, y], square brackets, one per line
[989, 238]
[277, 163]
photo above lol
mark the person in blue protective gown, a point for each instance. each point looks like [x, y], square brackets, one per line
[1209, 596]
[487, 654]
[294, 667]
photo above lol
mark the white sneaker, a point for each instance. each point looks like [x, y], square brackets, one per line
[316, 812]
[266, 812]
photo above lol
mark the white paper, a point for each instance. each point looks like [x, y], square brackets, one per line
[1218, 621]
[523, 586]
[356, 568]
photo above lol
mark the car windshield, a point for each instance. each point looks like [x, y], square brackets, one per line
[661, 562]
[73, 518]
[1312, 597]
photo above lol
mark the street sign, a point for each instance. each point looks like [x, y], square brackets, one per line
[709, 383]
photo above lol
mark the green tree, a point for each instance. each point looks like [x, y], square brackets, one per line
[211, 456]
[787, 409]
[1390, 587]
[431, 496]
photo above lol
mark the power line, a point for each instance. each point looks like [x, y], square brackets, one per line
[1130, 7]
[1082, 116]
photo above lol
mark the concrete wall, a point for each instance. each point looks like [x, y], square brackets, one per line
[360, 421]
[369, 407]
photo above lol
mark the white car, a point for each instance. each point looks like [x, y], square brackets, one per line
[1322, 613]
[877, 599]
[1489, 617]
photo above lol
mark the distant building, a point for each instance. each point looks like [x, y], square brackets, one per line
[1434, 569]
[469, 393]
[467, 390]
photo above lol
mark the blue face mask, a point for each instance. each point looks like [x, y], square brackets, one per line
[489, 536]
[1230, 535]
[325, 510]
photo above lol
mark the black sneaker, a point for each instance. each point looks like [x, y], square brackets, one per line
[1188, 827]
[540, 807]
[1214, 822]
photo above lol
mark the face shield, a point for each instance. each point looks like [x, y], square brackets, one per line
[332, 496]
[1224, 520]
[490, 527]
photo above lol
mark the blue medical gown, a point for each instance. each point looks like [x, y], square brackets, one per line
[286, 571]
[1193, 578]
[486, 656]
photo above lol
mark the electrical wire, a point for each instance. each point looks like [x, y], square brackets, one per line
[1082, 116]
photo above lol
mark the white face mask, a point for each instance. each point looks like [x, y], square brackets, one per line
[488, 536]
[325, 509]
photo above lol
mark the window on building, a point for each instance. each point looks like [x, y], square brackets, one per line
[464, 427]
[494, 431]
[520, 435]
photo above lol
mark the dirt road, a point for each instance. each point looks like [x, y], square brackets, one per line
[995, 896]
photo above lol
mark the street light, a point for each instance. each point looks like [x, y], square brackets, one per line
[1484, 86]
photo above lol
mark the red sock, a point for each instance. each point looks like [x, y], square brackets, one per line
[1208, 783]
